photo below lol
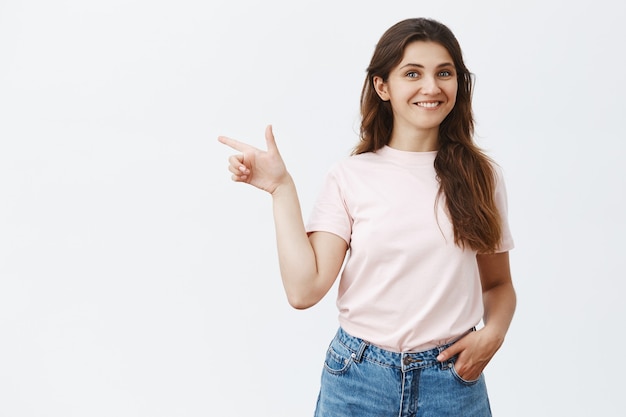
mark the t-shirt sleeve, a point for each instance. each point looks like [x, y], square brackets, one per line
[500, 197]
[330, 211]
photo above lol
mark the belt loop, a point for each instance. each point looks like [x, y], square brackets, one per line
[359, 354]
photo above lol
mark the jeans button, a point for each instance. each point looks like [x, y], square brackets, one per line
[409, 360]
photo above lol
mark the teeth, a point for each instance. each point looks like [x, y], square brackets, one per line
[429, 104]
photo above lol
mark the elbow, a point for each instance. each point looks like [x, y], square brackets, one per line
[300, 306]
[300, 302]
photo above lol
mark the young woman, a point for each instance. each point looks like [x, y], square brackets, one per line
[420, 213]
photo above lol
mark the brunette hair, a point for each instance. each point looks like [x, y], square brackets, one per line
[466, 175]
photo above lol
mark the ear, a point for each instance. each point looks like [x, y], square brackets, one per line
[381, 88]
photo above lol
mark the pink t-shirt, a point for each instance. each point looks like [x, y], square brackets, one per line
[405, 285]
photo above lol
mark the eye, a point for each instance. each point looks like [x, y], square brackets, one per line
[445, 73]
[412, 74]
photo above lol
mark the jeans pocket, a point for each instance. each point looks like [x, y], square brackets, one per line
[460, 379]
[337, 361]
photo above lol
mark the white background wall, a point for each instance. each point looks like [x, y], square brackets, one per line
[137, 280]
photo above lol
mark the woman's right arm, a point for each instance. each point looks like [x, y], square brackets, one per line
[309, 264]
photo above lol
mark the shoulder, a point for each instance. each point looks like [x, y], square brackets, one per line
[354, 163]
[496, 169]
[499, 178]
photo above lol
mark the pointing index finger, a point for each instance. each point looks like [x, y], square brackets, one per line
[235, 144]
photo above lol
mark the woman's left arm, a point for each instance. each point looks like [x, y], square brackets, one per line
[476, 349]
[498, 294]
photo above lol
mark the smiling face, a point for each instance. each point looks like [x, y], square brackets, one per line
[422, 91]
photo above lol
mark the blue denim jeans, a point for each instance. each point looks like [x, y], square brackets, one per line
[361, 380]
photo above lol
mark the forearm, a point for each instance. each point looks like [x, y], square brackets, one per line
[499, 303]
[296, 256]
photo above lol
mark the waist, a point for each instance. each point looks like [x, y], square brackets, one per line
[363, 350]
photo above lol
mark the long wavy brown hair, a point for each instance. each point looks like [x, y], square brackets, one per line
[466, 175]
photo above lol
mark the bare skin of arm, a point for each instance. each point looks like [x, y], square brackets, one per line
[476, 349]
[309, 264]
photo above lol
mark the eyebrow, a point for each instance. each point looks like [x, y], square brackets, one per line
[445, 64]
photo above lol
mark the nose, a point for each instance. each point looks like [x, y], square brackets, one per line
[430, 85]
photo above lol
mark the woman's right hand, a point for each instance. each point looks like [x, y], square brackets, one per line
[262, 169]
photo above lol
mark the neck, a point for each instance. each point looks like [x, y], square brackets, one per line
[422, 141]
